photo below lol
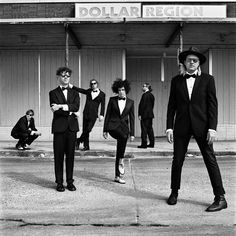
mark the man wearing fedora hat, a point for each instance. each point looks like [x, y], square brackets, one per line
[192, 111]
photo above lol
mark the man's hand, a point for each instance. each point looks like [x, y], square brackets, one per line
[169, 136]
[55, 107]
[105, 135]
[132, 138]
[139, 117]
[38, 133]
[211, 136]
[100, 118]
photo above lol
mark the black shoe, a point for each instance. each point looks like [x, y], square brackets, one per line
[142, 146]
[85, 149]
[71, 187]
[150, 146]
[218, 204]
[60, 188]
[172, 200]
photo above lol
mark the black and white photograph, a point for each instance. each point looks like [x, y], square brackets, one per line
[117, 117]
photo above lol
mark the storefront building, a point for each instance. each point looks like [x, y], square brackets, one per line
[105, 40]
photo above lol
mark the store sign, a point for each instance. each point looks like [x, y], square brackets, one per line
[184, 11]
[103, 10]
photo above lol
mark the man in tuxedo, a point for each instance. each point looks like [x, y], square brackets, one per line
[192, 111]
[119, 123]
[145, 115]
[94, 98]
[25, 130]
[64, 104]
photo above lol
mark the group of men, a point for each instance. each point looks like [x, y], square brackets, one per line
[192, 111]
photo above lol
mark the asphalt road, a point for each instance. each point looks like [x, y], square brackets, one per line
[30, 205]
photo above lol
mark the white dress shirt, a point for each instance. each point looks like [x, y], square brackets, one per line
[190, 83]
[121, 104]
[95, 94]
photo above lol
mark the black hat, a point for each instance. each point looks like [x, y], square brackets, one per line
[192, 51]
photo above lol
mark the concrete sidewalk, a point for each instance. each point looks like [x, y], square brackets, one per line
[107, 148]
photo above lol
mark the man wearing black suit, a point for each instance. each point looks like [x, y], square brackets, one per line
[94, 97]
[119, 123]
[64, 104]
[25, 130]
[145, 115]
[192, 111]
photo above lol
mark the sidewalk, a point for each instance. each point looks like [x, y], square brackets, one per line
[107, 148]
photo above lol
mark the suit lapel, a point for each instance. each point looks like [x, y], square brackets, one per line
[61, 95]
[126, 107]
[184, 85]
[195, 86]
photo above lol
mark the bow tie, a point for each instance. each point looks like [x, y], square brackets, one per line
[95, 91]
[187, 76]
[121, 98]
[64, 88]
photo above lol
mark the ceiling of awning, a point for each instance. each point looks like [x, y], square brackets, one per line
[137, 38]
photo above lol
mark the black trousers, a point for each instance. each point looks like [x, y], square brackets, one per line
[88, 125]
[120, 148]
[24, 138]
[147, 131]
[180, 150]
[64, 145]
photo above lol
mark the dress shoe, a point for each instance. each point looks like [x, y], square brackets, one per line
[150, 146]
[60, 188]
[85, 149]
[71, 187]
[142, 146]
[119, 180]
[172, 200]
[19, 147]
[26, 146]
[218, 204]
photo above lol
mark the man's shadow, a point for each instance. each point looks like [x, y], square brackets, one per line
[31, 179]
[107, 184]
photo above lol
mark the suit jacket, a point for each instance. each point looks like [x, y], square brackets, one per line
[146, 104]
[22, 127]
[114, 120]
[198, 113]
[62, 119]
[91, 105]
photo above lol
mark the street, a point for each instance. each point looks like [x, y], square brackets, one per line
[30, 205]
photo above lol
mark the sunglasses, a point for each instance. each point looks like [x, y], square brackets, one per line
[93, 83]
[192, 60]
[30, 115]
[65, 75]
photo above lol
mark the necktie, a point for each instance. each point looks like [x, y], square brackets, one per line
[187, 76]
[64, 88]
[121, 98]
[95, 91]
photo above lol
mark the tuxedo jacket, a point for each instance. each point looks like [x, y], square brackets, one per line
[62, 120]
[91, 105]
[22, 127]
[146, 105]
[197, 114]
[115, 121]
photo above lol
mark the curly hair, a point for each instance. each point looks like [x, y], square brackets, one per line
[119, 83]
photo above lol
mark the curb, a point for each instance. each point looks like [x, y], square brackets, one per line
[106, 154]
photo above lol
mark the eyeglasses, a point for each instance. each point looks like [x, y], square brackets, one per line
[30, 115]
[93, 83]
[194, 60]
[65, 75]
